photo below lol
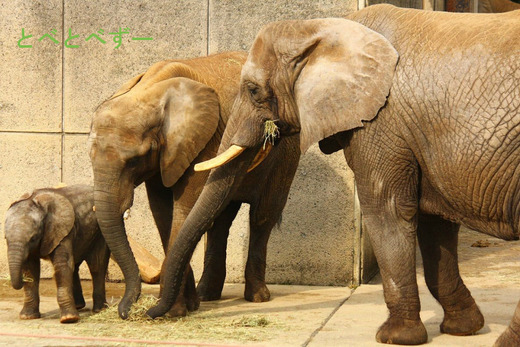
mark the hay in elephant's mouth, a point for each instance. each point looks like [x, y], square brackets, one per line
[202, 325]
[271, 132]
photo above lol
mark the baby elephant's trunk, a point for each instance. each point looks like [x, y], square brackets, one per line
[16, 256]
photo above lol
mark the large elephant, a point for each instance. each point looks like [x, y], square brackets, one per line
[154, 130]
[426, 107]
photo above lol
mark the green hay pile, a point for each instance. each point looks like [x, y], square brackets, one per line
[208, 326]
[137, 312]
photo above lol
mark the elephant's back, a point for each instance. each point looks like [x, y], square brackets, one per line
[221, 72]
[413, 31]
[456, 100]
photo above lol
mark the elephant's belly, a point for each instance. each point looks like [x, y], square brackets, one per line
[450, 207]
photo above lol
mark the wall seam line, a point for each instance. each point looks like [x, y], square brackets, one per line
[62, 89]
[207, 26]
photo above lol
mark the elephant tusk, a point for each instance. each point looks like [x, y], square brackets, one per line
[230, 154]
[260, 156]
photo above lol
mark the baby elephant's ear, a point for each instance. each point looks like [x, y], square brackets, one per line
[25, 196]
[58, 222]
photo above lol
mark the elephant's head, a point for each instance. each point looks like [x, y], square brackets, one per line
[34, 226]
[153, 124]
[157, 123]
[313, 77]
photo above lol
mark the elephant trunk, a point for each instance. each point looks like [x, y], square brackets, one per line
[110, 219]
[215, 196]
[17, 253]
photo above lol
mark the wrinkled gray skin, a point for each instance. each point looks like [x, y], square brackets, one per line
[57, 224]
[425, 106]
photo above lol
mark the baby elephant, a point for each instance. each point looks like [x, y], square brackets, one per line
[60, 225]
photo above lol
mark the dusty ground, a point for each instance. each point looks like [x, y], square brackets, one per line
[296, 316]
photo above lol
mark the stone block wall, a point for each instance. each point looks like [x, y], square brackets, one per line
[48, 93]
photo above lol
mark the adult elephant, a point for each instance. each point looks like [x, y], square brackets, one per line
[154, 130]
[425, 106]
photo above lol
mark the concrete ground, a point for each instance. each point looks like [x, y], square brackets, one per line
[296, 315]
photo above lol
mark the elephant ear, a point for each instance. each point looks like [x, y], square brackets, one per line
[59, 220]
[25, 196]
[191, 116]
[346, 77]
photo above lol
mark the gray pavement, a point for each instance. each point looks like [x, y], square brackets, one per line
[296, 315]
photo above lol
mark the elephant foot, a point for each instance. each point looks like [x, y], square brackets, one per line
[509, 338]
[464, 322]
[192, 302]
[184, 305]
[178, 310]
[207, 296]
[259, 293]
[30, 314]
[79, 304]
[69, 317]
[96, 308]
[402, 331]
[207, 292]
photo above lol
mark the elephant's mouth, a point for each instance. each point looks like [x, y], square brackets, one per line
[271, 133]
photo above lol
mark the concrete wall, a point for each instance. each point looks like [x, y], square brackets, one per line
[48, 93]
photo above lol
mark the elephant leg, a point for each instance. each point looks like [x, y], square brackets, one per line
[394, 248]
[63, 263]
[388, 189]
[31, 302]
[262, 218]
[438, 243]
[79, 300]
[184, 201]
[214, 274]
[160, 200]
[168, 223]
[97, 262]
[260, 229]
[511, 336]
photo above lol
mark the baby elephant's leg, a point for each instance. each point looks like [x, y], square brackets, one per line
[79, 300]
[97, 262]
[63, 262]
[31, 303]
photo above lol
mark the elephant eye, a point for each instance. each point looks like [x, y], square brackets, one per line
[253, 91]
